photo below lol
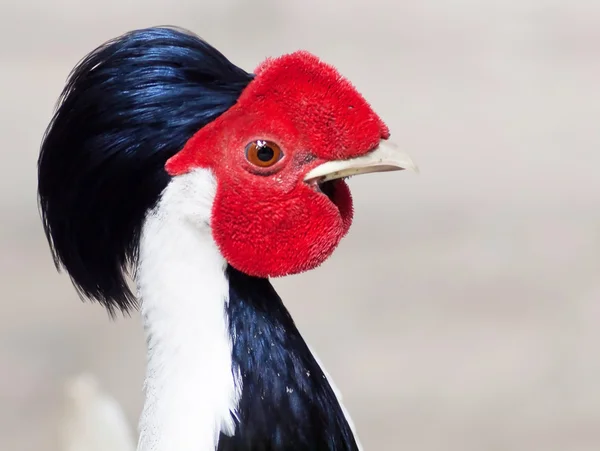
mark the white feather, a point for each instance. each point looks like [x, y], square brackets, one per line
[191, 392]
[338, 395]
[93, 420]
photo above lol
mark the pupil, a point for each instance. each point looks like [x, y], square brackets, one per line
[265, 153]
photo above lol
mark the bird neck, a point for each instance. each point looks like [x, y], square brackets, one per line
[287, 401]
[190, 388]
[227, 368]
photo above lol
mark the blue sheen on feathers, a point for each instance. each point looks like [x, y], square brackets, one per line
[287, 402]
[126, 109]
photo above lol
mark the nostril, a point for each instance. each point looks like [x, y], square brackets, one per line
[305, 158]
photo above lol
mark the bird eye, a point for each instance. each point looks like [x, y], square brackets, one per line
[263, 153]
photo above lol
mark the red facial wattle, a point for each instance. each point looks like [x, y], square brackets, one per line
[281, 233]
[267, 221]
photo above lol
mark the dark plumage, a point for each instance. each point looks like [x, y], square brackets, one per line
[287, 401]
[161, 111]
[127, 107]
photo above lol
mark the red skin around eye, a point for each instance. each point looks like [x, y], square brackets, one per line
[268, 221]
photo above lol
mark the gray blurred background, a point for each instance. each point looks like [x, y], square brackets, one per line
[462, 311]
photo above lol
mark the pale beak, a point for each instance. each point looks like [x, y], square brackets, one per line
[385, 157]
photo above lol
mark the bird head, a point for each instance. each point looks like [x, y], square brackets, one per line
[158, 104]
[279, 156]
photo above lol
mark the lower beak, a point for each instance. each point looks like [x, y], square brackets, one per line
[385, 157]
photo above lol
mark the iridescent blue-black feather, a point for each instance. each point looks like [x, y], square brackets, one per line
[127, 107]
[287, 403]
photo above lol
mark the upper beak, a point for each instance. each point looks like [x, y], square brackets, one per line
[385, 157]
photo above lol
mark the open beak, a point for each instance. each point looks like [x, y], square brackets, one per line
[385, 157]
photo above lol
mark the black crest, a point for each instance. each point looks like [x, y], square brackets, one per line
[127, 107]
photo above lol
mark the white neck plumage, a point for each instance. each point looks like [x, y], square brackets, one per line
[191, 393]
[192, 390]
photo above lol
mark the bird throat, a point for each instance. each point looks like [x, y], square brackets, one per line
[287, 402]
[227, 368]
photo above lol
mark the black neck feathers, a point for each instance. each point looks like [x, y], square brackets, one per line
[287, 402]
[126, 108]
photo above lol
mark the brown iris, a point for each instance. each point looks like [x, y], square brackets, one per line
[263, 153]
